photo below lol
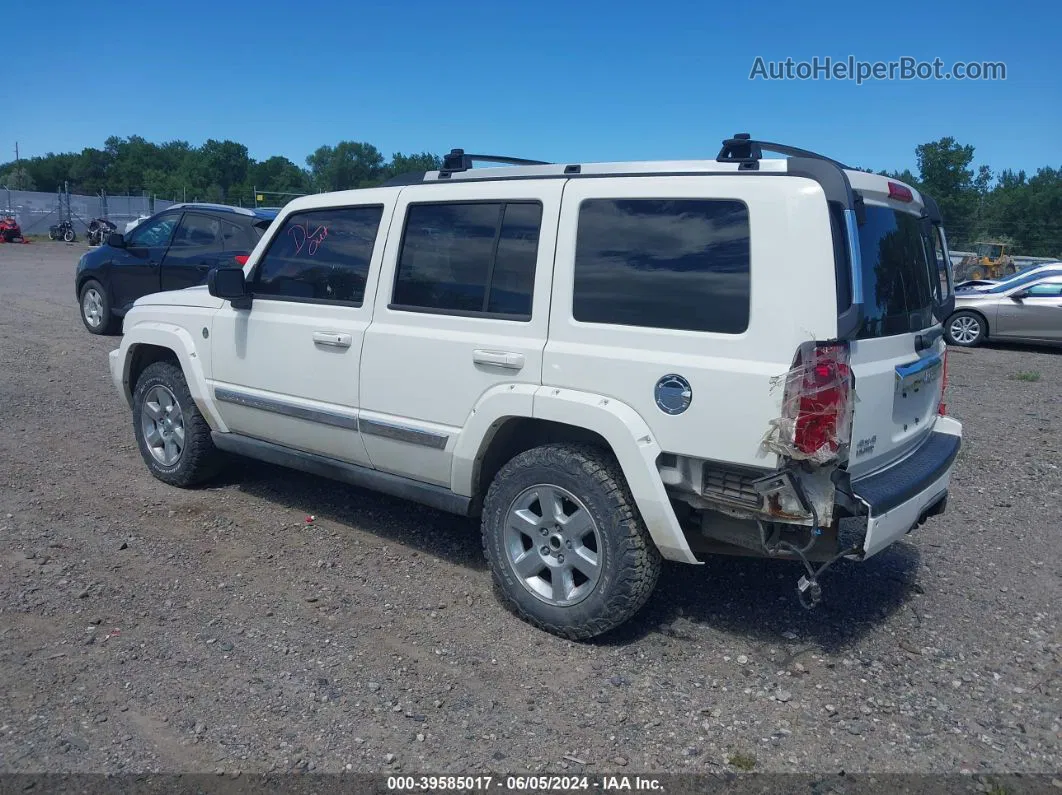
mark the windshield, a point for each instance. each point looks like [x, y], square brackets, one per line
[902, 277]
[989, 250]
[1024, 276]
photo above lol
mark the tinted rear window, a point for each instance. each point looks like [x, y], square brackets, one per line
[663, 263]
[469, 258]
[899, 285]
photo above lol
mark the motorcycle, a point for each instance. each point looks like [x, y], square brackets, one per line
[64, 230]
[99, 229]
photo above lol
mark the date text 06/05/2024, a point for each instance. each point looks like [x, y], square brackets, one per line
[412, 784]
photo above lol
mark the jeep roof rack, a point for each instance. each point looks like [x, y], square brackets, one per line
[458, 160]
[741, 151]
[744, 150]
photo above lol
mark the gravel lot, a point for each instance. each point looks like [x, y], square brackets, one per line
[148, 628]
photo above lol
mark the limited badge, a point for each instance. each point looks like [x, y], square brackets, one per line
[673, 394]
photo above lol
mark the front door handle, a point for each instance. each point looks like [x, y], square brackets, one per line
[332, 340]
[504, 359]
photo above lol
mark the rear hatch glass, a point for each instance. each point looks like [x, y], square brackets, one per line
[899, 284]
[897, 387]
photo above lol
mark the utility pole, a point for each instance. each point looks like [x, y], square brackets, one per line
[18, 169]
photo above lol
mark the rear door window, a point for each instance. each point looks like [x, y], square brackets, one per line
[199, 232]
[237, 239]
[469, 258]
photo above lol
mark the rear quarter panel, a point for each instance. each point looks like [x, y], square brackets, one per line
[793, 299]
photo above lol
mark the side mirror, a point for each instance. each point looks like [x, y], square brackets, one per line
[229, 284]
[116, 240]
[1018, 296]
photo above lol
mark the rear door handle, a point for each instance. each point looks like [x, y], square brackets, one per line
[503, 359]
[332, 340]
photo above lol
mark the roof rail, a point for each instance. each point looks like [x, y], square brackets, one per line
[213, 206]
[457, 160]
[747, 152]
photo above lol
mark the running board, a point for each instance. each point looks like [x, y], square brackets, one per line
[373, 479]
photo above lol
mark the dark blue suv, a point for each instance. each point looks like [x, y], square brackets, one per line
[171, 250]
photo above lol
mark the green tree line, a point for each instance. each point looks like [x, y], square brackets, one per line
[978, 204]
[217, 171]
[983, 205]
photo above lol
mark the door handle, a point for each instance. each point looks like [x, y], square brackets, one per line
[503, 359]
[332, 340]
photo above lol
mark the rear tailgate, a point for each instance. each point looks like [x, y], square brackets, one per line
[897, 392]
[897, 356]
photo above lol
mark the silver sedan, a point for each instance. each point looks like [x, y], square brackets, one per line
[1030, 312]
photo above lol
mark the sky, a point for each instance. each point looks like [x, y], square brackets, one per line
[559, 81]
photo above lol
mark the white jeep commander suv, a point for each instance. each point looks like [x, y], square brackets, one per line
[609, 364]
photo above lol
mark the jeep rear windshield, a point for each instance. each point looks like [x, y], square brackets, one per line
[900, 286]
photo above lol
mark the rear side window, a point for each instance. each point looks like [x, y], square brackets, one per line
[199, 232]
[899, 284]
[663, 263]
[320, 255]
[237, 239]
[469, 258]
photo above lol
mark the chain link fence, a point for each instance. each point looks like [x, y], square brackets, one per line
[36, 211]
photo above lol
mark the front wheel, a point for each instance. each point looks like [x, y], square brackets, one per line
[566, 545]
[51, 234]
[69, 236]
[173, 437]
[965, 329]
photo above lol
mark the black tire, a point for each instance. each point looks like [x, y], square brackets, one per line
[965, 329]
[199, 459]
[51, 234]
[629, 561]
[109, 323]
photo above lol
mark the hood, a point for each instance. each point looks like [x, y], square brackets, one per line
[190, 296]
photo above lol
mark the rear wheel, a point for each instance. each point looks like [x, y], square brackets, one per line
[96, 309]
[173, 437]
[565, 543]
[966, 329]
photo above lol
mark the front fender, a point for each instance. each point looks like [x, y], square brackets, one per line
[636, 450]
[178, 340]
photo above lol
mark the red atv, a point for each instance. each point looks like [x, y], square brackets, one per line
[10, 231]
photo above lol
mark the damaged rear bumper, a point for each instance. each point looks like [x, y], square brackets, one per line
[900, 498]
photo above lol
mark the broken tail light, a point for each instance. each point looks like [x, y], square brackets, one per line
[817, 402]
